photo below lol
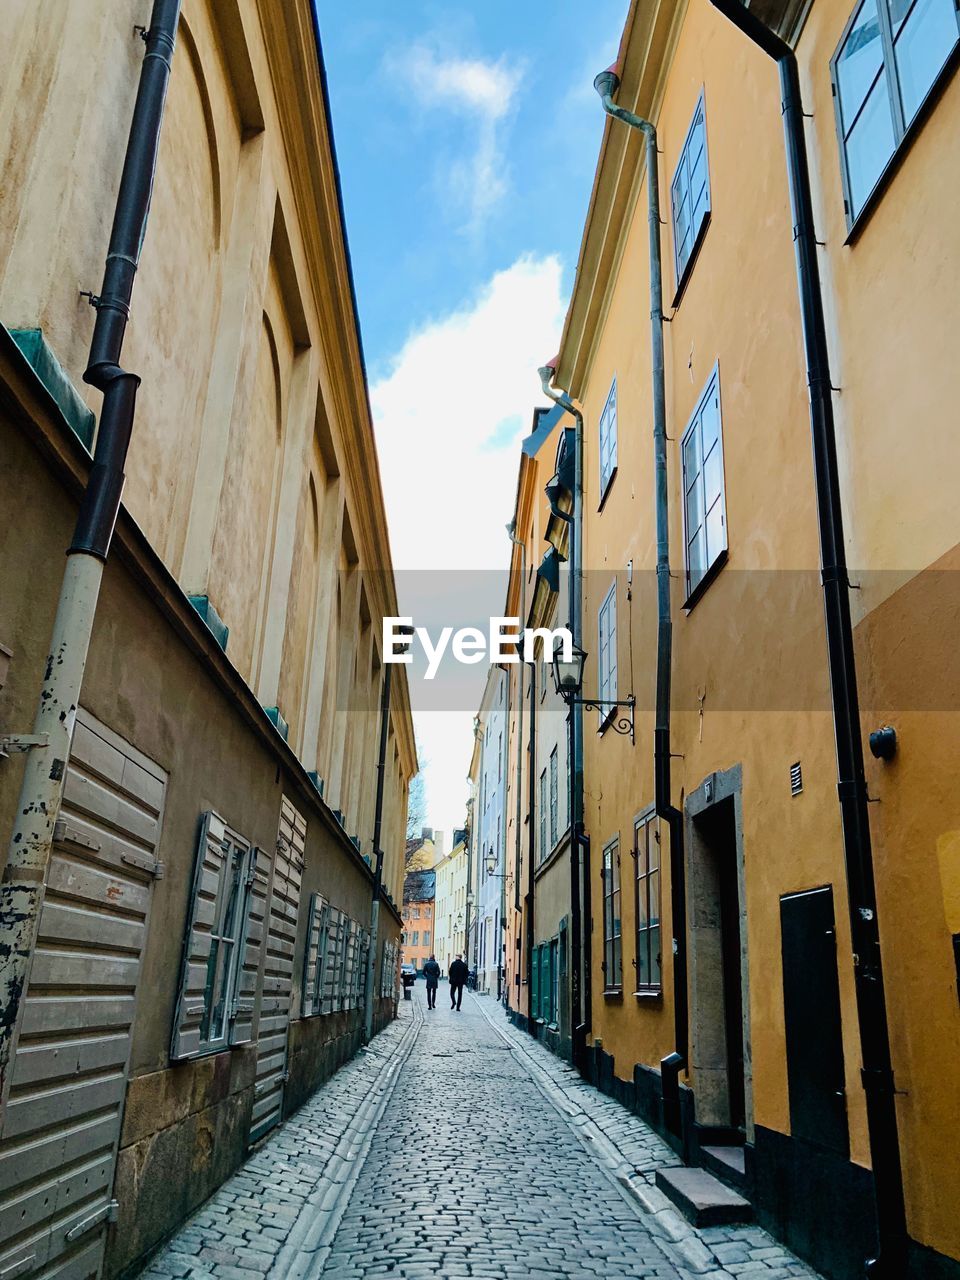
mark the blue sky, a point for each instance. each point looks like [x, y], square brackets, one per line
[467, 137]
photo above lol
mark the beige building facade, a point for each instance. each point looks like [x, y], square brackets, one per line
[228, 732]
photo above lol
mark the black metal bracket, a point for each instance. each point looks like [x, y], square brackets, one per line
[619, 724]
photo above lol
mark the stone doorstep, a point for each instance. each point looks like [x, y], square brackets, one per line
[703, 1199]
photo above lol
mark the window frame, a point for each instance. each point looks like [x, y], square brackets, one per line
[710, 571]
[682, 274]
[903, 130]
[554, 797]
[612, 967]
[606, 480]
[543, 814]
[606, 693]
[642, 876]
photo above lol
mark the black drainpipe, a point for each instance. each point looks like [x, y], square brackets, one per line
[877, 1069]
[606, 84]
[531, 844]
[101, 499]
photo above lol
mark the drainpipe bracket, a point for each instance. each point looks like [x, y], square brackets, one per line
[21, 742]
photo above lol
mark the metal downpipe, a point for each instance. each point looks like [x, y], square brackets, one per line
[877, 1069]
[606, 84]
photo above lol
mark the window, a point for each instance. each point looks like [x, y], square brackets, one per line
[608, 440]
[415, 938]
[500, 758]
[208, 1015]
[544, 848]
[647, 846]
[704, 508]
[553, 797]
[891, 54]
[426, 937]
[690, 193]
[612, 939]
[416, 913]
[607, 651]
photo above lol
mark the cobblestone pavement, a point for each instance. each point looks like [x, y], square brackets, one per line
[455, 1147]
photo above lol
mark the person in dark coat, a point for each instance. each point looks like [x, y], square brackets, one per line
[431, 971]
[458, 976]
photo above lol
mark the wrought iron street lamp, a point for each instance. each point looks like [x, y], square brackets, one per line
[568, 682]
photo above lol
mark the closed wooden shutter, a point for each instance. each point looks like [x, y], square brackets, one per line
[201, 913]
[314, 956]
[61, 1126]
[243, 1015]
[330, 988]
[277, 990]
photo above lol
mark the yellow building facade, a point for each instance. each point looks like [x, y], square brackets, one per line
[768, 1030]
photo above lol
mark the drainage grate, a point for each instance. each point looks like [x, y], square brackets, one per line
[796, 779]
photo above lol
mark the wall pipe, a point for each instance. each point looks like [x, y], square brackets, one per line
[606, 84]
[519, 542]
[877, 1068]
[531, 870]
[579, 850]
[31, 842]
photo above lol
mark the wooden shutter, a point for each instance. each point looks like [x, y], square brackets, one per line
[201, 913]
[314, 955]
[244, 1005]
[330, 986]
[362, 958]
[535, 980]
[350, 965]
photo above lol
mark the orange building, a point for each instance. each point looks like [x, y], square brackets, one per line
[417, 940]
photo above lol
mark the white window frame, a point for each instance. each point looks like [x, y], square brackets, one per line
[554, 796]
[682, 173]
[607, 439]
[607, 652]
[711, 388]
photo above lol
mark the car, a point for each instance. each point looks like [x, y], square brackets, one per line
[408, 974]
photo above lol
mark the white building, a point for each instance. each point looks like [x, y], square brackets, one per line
[490, 822]
[450, 915]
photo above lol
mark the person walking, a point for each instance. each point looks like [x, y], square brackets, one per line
[431, 971]
[458, 976]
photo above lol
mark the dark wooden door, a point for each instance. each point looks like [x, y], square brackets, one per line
[811, 1005]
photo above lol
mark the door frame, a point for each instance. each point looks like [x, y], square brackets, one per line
[708, 1059]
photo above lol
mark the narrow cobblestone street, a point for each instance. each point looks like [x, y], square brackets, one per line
[457, 1147]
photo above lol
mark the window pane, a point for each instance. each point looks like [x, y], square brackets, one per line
[643, 961]
[655, 958]
[642, 903]
[695, 558]
[691, 460]
[618, 963]
[712, 476]
[694, 510]
[653, 848]
[715, 538]
[710, 420]
[859, 61]
[654, 897]
[922, 48]
[869, 146]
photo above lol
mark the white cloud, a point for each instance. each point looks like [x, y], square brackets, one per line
[482, 91]
[449, 464]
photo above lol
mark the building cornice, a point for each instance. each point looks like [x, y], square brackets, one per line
[297, 77]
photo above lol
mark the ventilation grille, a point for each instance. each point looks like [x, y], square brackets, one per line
[796, 779]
